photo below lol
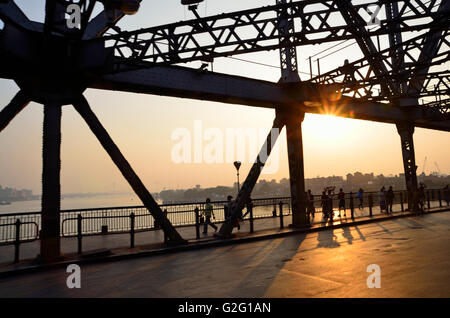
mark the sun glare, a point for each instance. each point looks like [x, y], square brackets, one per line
[326, 127]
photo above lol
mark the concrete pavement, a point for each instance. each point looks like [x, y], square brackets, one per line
[413, 254]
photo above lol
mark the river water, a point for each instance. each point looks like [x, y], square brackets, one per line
[97, 201]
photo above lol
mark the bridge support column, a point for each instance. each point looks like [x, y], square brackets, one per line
[296, 169]
[51, 190]
[406, 132]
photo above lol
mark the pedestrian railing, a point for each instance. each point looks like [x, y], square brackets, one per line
[17, 228]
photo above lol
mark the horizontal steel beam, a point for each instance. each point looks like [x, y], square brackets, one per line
[312, 98]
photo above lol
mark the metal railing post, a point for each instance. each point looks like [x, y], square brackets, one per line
[197, 223]
[281, 215]
[274, 211]
[352, 207]
[401, 201]
[104, 223]
[251, 218]
[440, 198]
[132, 216]
[370, 204]
[17, 241]
[165, 235]
[428, 200]
[79, 233]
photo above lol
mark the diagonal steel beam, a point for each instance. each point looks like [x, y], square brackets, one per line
[10, 12]
[356, 25]
[18, 103]
[251, 179]
[83, 108]
[99, 25]
[429, 50]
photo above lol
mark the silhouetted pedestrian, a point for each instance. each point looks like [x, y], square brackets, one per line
[310, 204]
[390, 199]
[324, 204]
[421, 198]
[341, 197]
[382, 198]
[360, 196]
[208, 212]
[330, 205]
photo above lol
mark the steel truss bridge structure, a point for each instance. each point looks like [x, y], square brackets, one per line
[54, 64]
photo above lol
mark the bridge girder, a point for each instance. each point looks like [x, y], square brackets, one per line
[183, 82]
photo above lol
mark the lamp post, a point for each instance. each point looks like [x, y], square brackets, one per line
[237, 164]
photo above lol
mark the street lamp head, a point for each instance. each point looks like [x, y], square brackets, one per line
[237, 164]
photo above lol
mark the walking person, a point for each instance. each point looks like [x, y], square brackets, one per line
[382, 198]
[324, 204]
[390, 199]
[330, 204]
[421, 197]
[360, 196]
[310, 201]
[208, 212]
[341, 197]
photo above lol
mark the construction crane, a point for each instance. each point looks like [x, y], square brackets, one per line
[424, 165]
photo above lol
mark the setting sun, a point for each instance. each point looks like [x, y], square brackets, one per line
[324, 127]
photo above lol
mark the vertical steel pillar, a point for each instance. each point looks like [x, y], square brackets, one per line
[406, 132]
[51, 190]
[289, 74]
[296, 169]
[288, 53]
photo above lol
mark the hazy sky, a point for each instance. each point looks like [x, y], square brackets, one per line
[142, 127]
